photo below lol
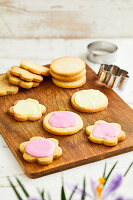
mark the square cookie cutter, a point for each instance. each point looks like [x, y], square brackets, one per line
[113, 76]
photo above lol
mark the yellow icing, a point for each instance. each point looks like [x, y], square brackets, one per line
[27, 107]
[90, 98]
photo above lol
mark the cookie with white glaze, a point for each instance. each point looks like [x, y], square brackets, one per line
[62, 123]
[89, 101]
[29, 109]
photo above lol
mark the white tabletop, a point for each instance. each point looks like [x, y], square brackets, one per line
[44, 51]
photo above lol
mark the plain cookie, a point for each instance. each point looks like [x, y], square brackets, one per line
[40, 150]
[25, 75]
[89, 101]
[72, 84]
[67, 66]
[70, 78]
[6, 87]
[17, 81]
[105, 133]
[35, 68]
[28, 109]
[62, 123]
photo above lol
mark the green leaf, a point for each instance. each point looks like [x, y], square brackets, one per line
[49, 197]
[110, 173]
[41, 193]
[104, 172]
[22, 187]
[63, 195]
[15, 190]
[74, 190]
[128, 169]
[84, 192]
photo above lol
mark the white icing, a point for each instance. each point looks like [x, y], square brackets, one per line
[27, 107]
[90, 98]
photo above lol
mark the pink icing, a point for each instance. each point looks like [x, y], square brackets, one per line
[40, 148]
[105, 130]
[63, 119]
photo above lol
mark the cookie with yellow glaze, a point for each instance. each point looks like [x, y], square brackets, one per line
[105, 133]
[28, 109]
[40, 150]
[89, 101]
[62, 123]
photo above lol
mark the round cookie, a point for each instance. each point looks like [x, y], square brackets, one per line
[62, 123]
[69, 78]
[89, 101]
[67, 66]
[71, 84]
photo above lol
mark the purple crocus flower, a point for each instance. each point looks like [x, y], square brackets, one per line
[113, 185]
[78, 190]
[94, 184]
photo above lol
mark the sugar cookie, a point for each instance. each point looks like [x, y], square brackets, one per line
[67, 66]
[35, 68]
[28, 109]
[17, 81]
[105, 133]
[69, 78]
[25, 75]
[40, 150]
[6, 87]
[62, 123]
[89, 101]
[72, 84]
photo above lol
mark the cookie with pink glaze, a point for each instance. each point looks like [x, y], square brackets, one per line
[41, 150]
[62, 123]
[105, 133]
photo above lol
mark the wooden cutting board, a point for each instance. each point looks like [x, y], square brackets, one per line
[77, 150]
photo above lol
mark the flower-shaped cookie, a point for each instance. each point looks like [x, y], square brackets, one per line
[105, 133]
[40, 150]
[6, 87]
[28, 109]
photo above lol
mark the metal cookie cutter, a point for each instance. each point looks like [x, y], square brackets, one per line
[102, 52]
[113, 76]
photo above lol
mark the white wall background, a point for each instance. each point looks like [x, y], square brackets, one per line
[66, 18]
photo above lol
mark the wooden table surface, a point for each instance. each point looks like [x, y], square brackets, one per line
[44, 51]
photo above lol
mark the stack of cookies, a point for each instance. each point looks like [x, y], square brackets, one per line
[68, 72]
[28, 75]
